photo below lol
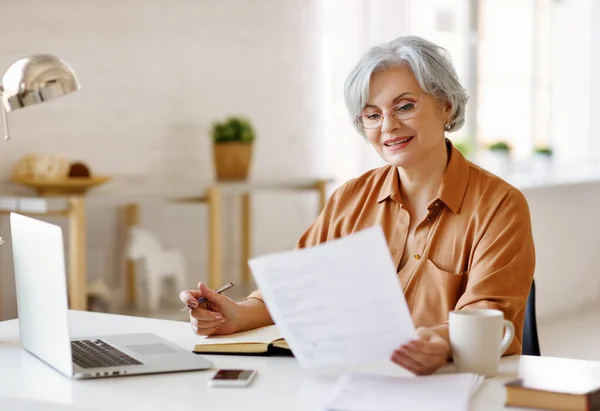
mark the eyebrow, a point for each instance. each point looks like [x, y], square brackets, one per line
[393, 101]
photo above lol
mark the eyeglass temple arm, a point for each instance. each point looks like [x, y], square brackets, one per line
[4, 116]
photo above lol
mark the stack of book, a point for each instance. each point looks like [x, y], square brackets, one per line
[555, 384]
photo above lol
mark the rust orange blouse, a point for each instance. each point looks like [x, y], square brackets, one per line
[474, 249]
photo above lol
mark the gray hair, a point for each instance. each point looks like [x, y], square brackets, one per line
[430, 64]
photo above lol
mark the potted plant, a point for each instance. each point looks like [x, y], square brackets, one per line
[499, 158]
[544, 151]
[500, 147]
[232, 147]
[541, 160]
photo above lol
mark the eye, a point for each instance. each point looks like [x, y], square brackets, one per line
[403, 108]
[372, 116]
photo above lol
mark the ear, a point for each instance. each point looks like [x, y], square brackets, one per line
[447, 109]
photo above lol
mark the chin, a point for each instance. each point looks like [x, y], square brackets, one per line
[402, 160]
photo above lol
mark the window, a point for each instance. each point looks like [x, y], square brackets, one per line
[526, 64]
[534, 76]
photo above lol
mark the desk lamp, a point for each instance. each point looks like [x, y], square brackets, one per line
[33, 80]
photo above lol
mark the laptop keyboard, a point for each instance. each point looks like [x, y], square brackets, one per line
[97, 353]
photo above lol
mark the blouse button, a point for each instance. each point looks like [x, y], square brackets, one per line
[417, 257]
[437, 203]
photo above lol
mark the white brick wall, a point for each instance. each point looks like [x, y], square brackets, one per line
[154, 75]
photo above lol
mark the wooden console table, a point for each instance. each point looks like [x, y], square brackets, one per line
[128, 192]
[212, 197]
[74, 210]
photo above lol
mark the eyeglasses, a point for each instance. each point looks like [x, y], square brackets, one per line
[401, 111]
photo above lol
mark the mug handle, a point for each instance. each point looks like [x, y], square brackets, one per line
[509, 334]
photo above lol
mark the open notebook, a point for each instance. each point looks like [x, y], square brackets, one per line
[261, 341]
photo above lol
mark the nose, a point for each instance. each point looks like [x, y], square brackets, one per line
[390, 123]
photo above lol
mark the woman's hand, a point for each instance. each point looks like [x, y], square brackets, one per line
[425, 355]
[217, 315]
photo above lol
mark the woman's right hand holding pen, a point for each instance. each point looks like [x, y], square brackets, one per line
[219, 314]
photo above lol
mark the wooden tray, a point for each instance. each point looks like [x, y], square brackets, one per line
[72, 185]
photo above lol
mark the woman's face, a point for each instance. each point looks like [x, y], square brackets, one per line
[407, 142]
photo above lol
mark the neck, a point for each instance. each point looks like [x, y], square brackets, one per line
[420, 182]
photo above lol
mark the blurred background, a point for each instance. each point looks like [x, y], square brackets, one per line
[156, 75]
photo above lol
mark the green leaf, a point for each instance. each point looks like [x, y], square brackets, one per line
[543, 150]
[233, 129]
[500, 146]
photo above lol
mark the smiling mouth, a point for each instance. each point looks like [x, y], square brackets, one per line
[395, 143]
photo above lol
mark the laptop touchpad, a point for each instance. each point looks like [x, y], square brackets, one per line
[152, 349]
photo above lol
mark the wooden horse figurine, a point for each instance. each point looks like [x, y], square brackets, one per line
[160, 264]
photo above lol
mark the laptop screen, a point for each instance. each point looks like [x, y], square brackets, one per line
[41, 284]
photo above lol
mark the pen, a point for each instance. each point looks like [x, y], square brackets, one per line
[218, 291]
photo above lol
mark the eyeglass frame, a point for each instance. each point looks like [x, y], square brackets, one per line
[356, 119]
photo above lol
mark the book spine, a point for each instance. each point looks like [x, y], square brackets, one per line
[593, 400]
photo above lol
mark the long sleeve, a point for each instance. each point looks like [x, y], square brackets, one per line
[502, 265]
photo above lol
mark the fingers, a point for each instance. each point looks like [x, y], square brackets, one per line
[428, 358]
[211, 296]
[423, 356]
[204, 331]
[427, 348]
[408, 363]
[204, 315]
[190, 297]
[420, 365]
[204, 325]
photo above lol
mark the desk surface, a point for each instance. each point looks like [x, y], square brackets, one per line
[280, 385]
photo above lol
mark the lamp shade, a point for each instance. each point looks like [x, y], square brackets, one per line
[36, 79]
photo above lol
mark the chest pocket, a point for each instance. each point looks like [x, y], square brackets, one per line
[436, 294]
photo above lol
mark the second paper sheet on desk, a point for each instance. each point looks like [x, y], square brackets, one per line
[364, 392]
[338, 303]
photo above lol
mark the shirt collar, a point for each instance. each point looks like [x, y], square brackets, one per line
[456, 177]
[391, 186]
[453, 187]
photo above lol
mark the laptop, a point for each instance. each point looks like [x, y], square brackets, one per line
[42, 302]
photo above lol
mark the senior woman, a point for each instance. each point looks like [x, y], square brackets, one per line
[459, 235]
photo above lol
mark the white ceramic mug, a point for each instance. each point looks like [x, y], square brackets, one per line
[479, 337]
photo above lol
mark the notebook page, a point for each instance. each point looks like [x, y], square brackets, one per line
[362, 392]
[265, 335]
[338, 303]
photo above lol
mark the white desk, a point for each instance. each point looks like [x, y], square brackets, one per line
[280, 385]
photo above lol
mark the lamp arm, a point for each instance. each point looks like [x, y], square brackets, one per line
[4, 116]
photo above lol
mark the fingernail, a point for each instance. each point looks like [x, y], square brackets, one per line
[218, 317]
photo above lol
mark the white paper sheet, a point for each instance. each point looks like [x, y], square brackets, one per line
[367, 392]
[338, 303]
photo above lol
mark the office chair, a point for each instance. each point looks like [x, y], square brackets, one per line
[531, 345]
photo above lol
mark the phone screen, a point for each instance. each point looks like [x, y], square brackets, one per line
[233, 375]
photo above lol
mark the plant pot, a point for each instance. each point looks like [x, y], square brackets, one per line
[498, 162]
[232, 160]
[541, 164]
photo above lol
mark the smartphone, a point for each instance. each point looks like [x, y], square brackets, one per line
[232, 378]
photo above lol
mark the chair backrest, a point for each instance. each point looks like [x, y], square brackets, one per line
[531, 345]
